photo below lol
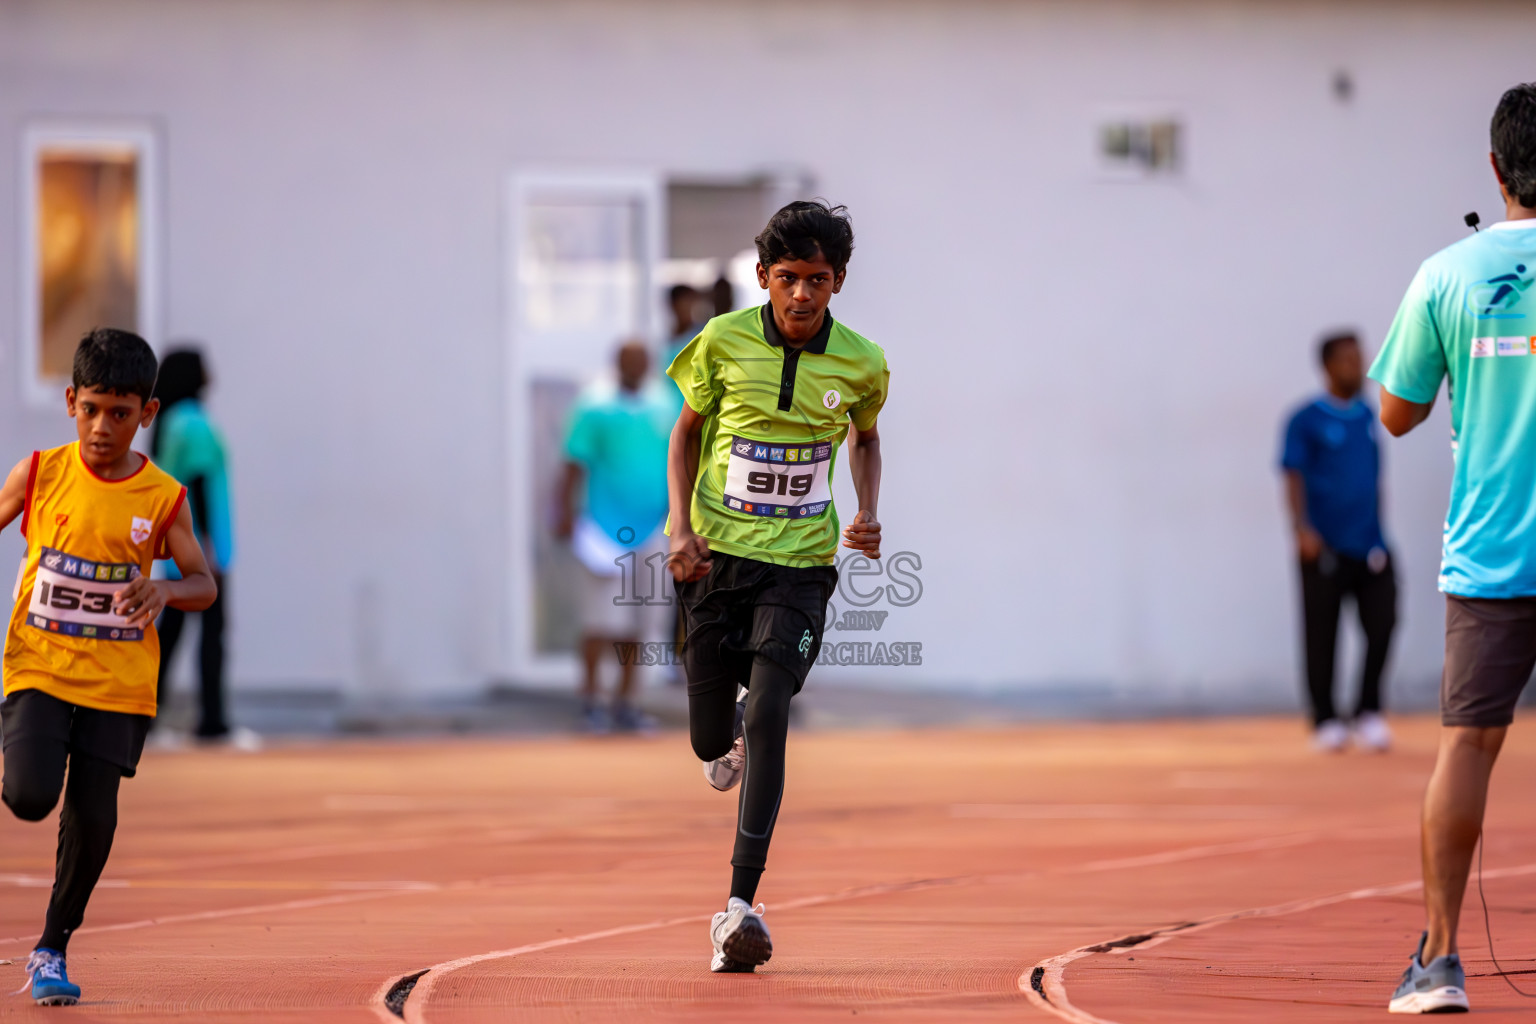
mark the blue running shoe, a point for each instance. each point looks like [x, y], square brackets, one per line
[1439, 986]
[50, 984]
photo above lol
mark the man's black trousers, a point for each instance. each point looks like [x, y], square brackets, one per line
[1325, 583]
[211, 722]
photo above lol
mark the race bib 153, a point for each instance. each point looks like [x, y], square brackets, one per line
[73, 597]
[774, 479]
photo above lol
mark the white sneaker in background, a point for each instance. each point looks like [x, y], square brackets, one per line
[163, 737]
[1331, 737]
[1371, 733]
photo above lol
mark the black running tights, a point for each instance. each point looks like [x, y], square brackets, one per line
[34, 778]
[712, 722]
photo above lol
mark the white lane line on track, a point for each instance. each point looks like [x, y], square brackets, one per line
[1120, 812]
[362, 848]
[1049, 974]
[46, 882]
[214, 915]
[415, 1006]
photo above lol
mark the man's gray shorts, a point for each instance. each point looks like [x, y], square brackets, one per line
[1490, 650]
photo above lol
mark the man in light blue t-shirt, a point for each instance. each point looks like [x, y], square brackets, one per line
[1469, 318]
[617, 443]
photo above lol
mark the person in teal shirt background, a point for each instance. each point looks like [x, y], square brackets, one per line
[617, 444]
[188, 446]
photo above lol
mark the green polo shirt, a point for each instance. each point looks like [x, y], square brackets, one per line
[774, 418]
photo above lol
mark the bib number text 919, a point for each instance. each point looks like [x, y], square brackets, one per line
[797, 486]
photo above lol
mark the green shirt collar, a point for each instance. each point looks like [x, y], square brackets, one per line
[816, 346]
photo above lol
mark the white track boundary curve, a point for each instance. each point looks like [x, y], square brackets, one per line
[415, 1006]
[1052, 997]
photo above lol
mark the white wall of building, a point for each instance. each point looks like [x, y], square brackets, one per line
[1087, 376]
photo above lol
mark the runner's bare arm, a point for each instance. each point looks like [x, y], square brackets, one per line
[144, 599]
[863, 534]
[1399, 415]
[13, 494]
[689, 555]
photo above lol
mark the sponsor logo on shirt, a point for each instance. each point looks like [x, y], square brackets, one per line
[1513, 346]
[1494, 298]
[1482, 348]
[832, 399]
[141, 529]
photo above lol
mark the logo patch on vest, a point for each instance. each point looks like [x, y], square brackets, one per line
[142, 528]
[832, 399]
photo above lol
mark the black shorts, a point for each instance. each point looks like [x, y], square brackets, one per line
[115, 737]
[1490, 650]
[743, 608]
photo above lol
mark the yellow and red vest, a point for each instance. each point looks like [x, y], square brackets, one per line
[87, 538]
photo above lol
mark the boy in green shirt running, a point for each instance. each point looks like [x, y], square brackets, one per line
[770, 394]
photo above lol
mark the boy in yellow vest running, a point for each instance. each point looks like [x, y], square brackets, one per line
[81, 653]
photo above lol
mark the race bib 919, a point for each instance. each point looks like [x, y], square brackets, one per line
[73, 597]
[774, 479]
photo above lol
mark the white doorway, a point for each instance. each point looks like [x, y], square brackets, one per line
[582, 249]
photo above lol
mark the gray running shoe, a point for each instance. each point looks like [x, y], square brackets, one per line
[1437, 987]
[725, 771]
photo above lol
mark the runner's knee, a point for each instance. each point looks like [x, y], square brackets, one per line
[712, 723]
[28, 802]
[711, 747]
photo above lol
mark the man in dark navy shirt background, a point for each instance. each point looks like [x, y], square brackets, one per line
[1332, 480]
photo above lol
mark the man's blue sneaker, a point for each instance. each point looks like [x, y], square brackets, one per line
[50, 984]
[1439, 986]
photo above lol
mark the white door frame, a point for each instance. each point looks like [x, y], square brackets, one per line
[524, 665]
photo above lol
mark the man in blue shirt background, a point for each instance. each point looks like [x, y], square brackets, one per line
[1332, 479]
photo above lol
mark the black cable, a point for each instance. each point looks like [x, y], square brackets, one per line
[1488, 926]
